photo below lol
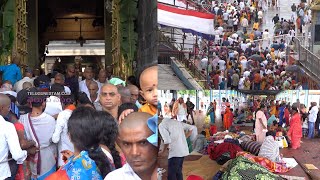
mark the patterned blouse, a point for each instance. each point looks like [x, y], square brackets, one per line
[78, 168]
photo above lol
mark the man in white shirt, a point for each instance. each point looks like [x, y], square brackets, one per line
[138, 140]
[241, 82]
[9, 142]
[244, 23]
[102, 77]
[180, 110]
[93, 91]
[246, 73]
[244, 64]
[204, 63]
[312, 119]
[54, 104]
[60, 79]
[27, 78]
[83, 85]
[222, 64]
[109, 100]
[174, 138]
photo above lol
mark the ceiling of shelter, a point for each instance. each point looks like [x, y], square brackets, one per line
[61, 19]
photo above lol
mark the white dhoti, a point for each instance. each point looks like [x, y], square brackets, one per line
[181, 117]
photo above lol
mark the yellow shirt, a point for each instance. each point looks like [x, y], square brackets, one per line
[273, 110]
[256, 25]
[148, 108]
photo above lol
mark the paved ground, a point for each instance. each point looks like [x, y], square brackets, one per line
[309, 153]
[284, 11]
[168, 80]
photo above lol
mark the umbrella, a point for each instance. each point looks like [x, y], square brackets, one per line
[256, 57]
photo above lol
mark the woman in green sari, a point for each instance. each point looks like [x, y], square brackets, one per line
[210, 112]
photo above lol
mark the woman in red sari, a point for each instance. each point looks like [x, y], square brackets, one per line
[226, 117]
[295, 130]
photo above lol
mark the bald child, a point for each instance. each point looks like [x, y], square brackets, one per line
[141, 155]
[149, 89]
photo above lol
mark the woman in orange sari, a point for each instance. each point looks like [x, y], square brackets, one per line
[227, 115]
[295, 130]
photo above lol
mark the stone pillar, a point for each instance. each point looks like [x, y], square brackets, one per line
[147, 34]
[32, 34]
[107, 35]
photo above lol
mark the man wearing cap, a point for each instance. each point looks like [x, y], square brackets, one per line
[27, 78]
[138, 140]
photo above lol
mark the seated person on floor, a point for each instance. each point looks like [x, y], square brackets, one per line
[241, 117]
[199, 143]
[271, 120]
[269, 148]
[274, 126]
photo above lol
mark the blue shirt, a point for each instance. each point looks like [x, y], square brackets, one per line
[11, 72]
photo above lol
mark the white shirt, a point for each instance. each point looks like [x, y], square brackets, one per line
[53, 106]
[18, 85]
[12, 93]
[60, 134]
[67, 90]
[83, 87]
[221, 64]
[181, 109]
[204, 63]
[241, 83]
[313, 114]
[246, 74]
[260, 14]
[244, 64]
[9, 141]
[173, 133]
[124, 173]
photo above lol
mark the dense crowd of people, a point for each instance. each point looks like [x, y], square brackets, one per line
[243, 55]
[274, 124]
[58, 126]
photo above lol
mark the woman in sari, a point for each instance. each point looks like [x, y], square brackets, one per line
[261, 124]
[89, 160]
[295, 130]
[227, 116]
[210, 112]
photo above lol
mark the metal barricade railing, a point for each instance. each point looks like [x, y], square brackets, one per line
[306, 58]
[194, 71]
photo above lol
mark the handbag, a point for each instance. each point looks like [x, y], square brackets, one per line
[35, 135]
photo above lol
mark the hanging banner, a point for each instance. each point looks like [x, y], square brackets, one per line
[189, 21]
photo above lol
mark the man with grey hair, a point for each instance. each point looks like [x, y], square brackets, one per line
[93, 91]
[109, 100]
[60, 79]
[83, 85]
[27, 78]
[27, 85]
[125, 94]
[102, 77]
